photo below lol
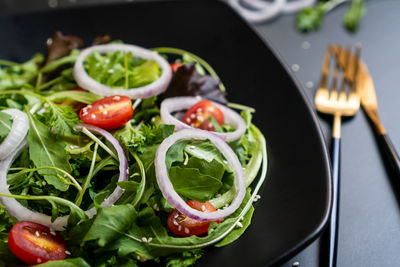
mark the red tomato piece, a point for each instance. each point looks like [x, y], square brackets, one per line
[174, 66]
[199, 114]
[108, 113]
[182, 225]
[34, 243]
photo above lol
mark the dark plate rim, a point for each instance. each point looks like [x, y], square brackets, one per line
[269, 46]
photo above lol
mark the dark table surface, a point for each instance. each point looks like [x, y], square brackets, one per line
[369, 210]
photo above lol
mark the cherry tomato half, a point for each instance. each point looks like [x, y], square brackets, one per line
[184, 226]
[108, 113]
[35, 243]
[199, 114]
[174, 66]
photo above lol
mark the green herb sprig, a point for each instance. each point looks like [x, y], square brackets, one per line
[311, 18]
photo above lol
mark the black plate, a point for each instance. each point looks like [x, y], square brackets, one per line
[296, 196]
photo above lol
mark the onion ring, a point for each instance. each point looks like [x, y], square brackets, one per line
[172, 104]
[23, 213]
[172, 196]
[261, 15]
[19, 129]
[154, 88]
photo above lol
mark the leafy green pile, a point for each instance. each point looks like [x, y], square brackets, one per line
[64, 172]
[121, 69]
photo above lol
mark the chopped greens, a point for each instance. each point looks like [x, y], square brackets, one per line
[311, 18]
[121, 69]
[65, 172]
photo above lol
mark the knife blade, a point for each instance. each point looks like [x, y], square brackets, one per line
[369, 103]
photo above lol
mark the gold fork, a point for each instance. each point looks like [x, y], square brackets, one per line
[338, 101]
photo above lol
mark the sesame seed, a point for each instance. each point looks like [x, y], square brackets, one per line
[105, 112]
[210, 125]
[93, 116]
[192, 116]
[67, 252]
[52, 232]
[176, 215]
[155, 207]
[149, 240]
[179, 228]
[89, 106]
[43, 183]
[39, 260]
[176, 223]
[101, 107]
[186, 230]
[203, 208]
[37, 233]
[106, 105]
[117, 97]
[188, 120]
[296, 263]
[144, 239]
[239, 224]
[199, 110]
[200, 118]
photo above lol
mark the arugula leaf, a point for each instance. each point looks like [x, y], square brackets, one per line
[5, 125]
[121, 69]
[17, 75]
[237, 232]
[110, 224]
[46, 150]
[77, 262]
[61, 118]
[80, 96]
[184, 259]
[190, 183]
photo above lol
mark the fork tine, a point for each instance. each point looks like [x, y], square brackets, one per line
[325, 67]
[356, 67]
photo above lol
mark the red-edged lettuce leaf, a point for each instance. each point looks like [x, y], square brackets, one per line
[188, 82]
[61, 46]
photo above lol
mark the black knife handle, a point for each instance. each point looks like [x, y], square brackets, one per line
[330, 236]
[391, 154]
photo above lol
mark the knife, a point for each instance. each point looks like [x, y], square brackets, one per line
[369, 103]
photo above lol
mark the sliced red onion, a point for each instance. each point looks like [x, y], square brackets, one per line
[22, 213]
[294, 6]
[15, 208]
[123, 166]
[155, 88]
[288, 7]
[261, 14]
[173, 104]
[19, 129]
[172, 196]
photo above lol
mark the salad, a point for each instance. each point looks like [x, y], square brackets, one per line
[115, 155]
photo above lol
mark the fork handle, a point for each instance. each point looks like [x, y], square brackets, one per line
[391, 154]
[331, 233]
